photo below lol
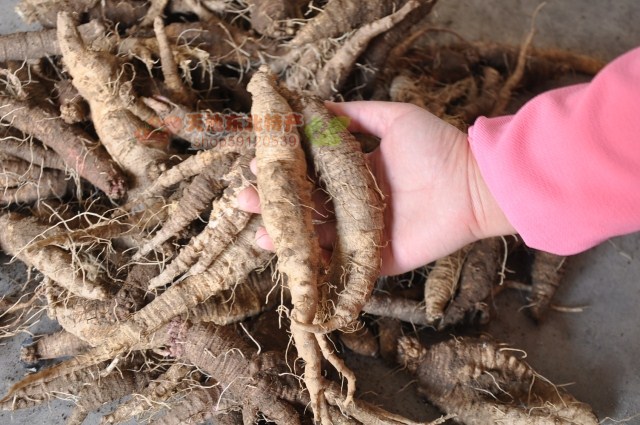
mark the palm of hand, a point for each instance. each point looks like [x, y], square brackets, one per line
[421, 167]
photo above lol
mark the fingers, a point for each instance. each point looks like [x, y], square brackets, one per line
[249, 201]
[370, 117]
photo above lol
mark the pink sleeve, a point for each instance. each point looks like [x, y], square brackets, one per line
[566, 168]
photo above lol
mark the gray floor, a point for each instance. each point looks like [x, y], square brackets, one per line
[594, 351]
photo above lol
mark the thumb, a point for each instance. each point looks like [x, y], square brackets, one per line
[371, 117]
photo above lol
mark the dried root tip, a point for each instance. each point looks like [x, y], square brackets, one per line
[410, 353]
[178, 91]
[53, 346]
[361, 341]
[547, 272]
[332, 76]
[476, 282]
[441, 284]
[52, 261]
[194, 201]
[358, 207]
[482, 382]
[226, 221]
[273, 18]
[73, 145]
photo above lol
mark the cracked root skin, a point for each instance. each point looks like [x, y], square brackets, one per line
[285, 196]
[97, 76]
[482, 382]
[224, 355]
[358, 205]
[547, 272]
[54, 262]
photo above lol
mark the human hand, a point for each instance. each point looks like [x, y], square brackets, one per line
[436, 199]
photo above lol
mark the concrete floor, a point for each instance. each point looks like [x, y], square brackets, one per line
[595, 351]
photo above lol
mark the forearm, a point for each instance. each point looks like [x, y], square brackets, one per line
[565, 169]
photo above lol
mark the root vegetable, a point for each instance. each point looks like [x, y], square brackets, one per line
[547, 272]
[225, 222]
[340, 17]
[481, 382]
[245, 300]
[45, 12]
[200, 404]
[225, 356]
[173, 381]
[194, 201]
[59, 265]
[107, 389]
[97, 77]
[178, 91]
[332, 76]
[73, 145]
[358, 209]
[190, 167]
[404, 309]
[361, 341]
[441, 284]
[476, 281]
[52, 346]
[285, 196]
[38, 44]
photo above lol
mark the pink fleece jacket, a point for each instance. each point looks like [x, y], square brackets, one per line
[566, 167]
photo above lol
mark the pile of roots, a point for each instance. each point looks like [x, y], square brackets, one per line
[128, 130]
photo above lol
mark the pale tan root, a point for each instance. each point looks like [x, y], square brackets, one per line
[84, 280]
[479, 273]
[285, 196]
[225, 222]
[152, 396]
[361, 341]
[441, 284]
[178, 91]
[245, 300]
[52, 346]
[403, 309]
[97, 77]
[332, 76]
[188, 168]
[224, 355]
[339, 17]
[155, 11]
[547, 272]
[358, 206]
[482, 382]
[105, 390]
[195, 199]
[200, 404]
[38, 44]
[74, 146]
[231, 267]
